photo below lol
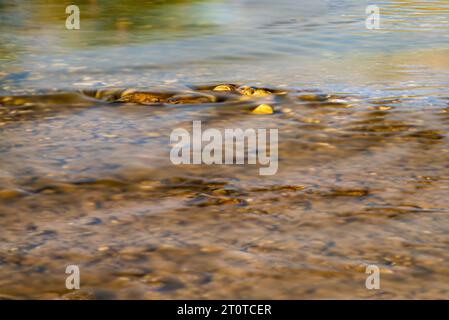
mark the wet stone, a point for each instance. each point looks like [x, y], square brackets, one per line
[314, 97]
[143, 97]
[253, 91]
[263, 109]
[194, 98]
[225, 87]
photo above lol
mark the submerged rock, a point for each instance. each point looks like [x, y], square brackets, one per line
[314, 97]
[192, 98]
[225, 87]
[263, 109]
[143, 97]
[252, 91]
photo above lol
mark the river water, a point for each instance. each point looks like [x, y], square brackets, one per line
[363, 122]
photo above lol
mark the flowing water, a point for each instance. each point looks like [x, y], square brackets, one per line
[363, 120]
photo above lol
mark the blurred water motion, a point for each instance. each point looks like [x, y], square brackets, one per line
[363, 123]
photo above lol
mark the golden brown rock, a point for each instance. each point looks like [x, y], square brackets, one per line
[263, 109]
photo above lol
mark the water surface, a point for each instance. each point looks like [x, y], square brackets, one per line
[363, 171]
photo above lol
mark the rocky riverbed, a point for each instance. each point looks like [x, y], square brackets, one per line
[87, 180]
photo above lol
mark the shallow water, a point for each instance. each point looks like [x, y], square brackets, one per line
[363, 171]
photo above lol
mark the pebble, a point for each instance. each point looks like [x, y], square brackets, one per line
[223, 87]
[263, 109]
[261, 92]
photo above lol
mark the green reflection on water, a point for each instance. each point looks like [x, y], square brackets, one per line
[108, 22]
